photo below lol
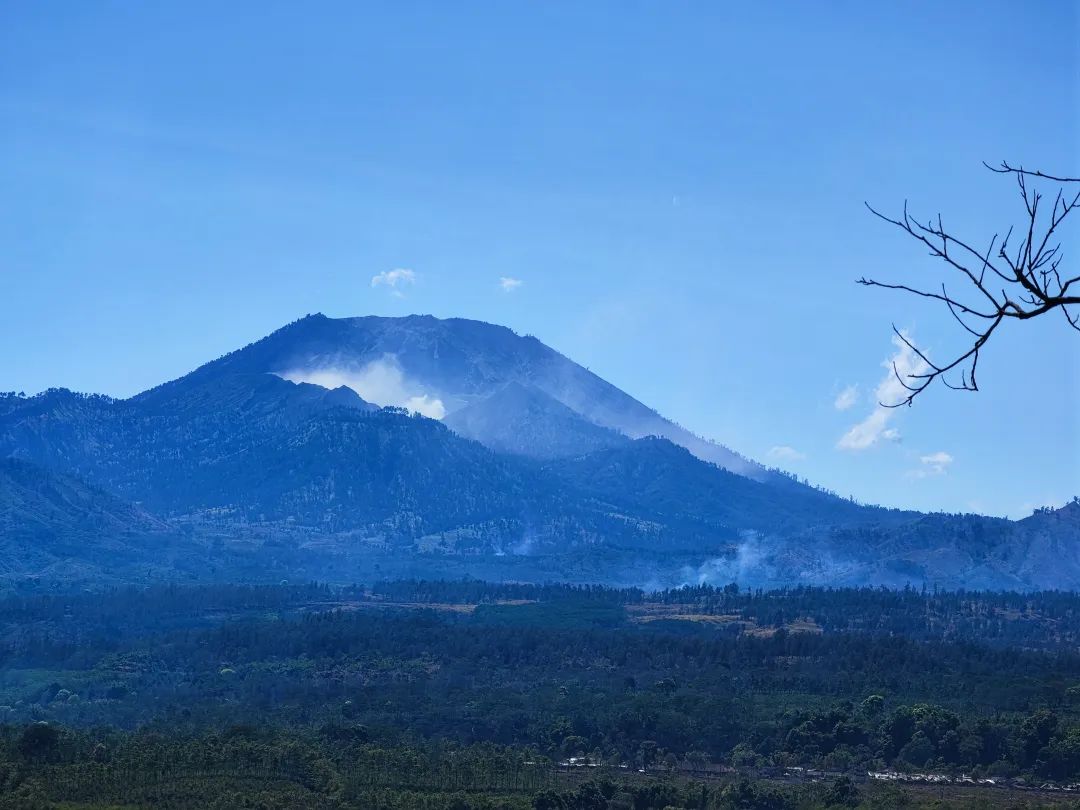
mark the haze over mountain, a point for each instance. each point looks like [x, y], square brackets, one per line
[276, 460]
[522, 419]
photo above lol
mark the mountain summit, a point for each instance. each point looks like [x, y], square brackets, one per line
[484, 380]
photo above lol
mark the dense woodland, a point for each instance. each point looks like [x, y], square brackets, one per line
[470, 694]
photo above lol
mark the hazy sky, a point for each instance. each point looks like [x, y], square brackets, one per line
[669, 193]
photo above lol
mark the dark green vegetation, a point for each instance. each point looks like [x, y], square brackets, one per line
[234, 473]
[465, 694]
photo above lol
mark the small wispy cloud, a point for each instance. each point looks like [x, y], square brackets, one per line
[394, 280]
[846, 398]
[783, 452]
[509, 284]
[932, 465]
[875, 427]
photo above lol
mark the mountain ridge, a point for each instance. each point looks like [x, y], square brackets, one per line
[267, 474]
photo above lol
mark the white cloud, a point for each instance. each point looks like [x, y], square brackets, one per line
[933, 464]
[938, 459]
[394, 279]
[381, 382]
[890, 391]
[869, 431]
[783, 452]
[846, 398]
[509, 284]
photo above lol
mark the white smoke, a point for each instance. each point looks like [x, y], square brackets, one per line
[381, 382]
[747, 565]
[524, 547]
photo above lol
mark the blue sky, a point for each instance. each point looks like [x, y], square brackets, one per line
[678, 187]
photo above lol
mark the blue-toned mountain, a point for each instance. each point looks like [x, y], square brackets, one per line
[444, 366]
[277, 460]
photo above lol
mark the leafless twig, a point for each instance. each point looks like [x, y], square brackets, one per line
[1004, 282]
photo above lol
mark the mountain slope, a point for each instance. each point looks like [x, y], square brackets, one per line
[52, 524]
[523, 420]
[37, 503]
[676, 484]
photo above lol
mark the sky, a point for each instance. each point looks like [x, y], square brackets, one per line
[671, 194]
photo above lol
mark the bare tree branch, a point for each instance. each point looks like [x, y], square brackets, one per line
[1005, 168]
[1030, 273]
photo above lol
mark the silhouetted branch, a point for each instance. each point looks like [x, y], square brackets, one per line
[1005, 168]
[1030, 278]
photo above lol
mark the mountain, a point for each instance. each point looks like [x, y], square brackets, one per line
[439, 367]
[243, 441]
[275, 461]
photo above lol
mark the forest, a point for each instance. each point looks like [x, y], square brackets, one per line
[470, 694]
